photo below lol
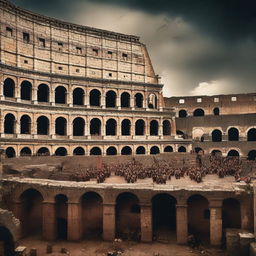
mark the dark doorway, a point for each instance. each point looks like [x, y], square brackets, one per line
[183, 113]
[78, 96]
[78, 126]
[95, 127]
[154, 150]
[60, 95]
[139, 127]
[168, 149]
[111, 127]
[166, 128]
[25, 152]
[153, 128]
[9, 88]
[6, 239]
[140, 151]
[233, 153]
[216, 136]
[233, 134]
[251, 135]
[126, 127]
[125, 100]
[25, 90]
[111, 151]
[182, 149]
[61, 126]
[61, 212]
[61, 151]
[199, 112]
[79, 151]
[95, 97]
[231, 213]
[110, 99]
[43, 93]
[42, 125]
[10, 152]
[216, 111]
[95, 151]
[126, 151]
[138, 100]
[252, 155]
[25, 125]
[9, 124]
[43, 152]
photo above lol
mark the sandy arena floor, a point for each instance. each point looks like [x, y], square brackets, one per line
[100, 248]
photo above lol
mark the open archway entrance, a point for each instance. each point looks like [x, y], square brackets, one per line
[128, 216]
[6, 242]
[92, 211]
[164, 217]
[61, 213]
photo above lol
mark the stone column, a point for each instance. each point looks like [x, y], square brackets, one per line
[132, 105]
[160, 129]
[109, 222]
[1, 90]
[69, 128]
[246, 206]
[216, 222]
[103, 127]
[103, 99]
[74, 221]
[52, 96]
[182, 223]
[17, 128]
[69, 97]
[17, 93]
[118, 102]
[146, 223]
[86, 98]
[173, 127]
[34, 95]
[49, 221]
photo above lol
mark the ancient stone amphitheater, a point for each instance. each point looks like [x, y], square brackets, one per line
[86, 102]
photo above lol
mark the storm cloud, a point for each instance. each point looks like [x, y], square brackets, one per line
[197, 47]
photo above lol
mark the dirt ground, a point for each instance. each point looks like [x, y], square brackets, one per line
[100, 248]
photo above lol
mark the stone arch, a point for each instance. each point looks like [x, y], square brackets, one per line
[154, 150]
[128, 216]
[26, 90]
[233, 153]
[215, 152]
[154, 128]
[95, 151]
[125, 100]
[231, 213]
[61, 215]
[140, 150]
[25, 124]
[182, 149]
[78, 126]
[163, 215]
[43, 93]
[42, 125]
[183, 113]
[61, 151]
[216, 135]
[126, 150]
[111, 126]
[79, 151]
[152, 101]
[198, 150]
[92, 214]
[110, 99]
[60, 95]
[140, 127]
[138, 100]
[43, 151]
[9, 88]
[233, 134]
[216, 111]
[95, 127]
[126, 127]
[95, 96]
[199, 216]
[31, 211]
[78, 96]
[198, 112]
[168, 149]
[166, 128]
[61, 126]
[26, 151]
[9, 123]
[251, 155]
[7, 242]
[251, 134]
[111, 151]
[10, 152]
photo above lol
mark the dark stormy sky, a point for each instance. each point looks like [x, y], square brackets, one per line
[197, 46]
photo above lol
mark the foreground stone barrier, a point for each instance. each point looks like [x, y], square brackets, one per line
[253, 249]
[232, 242]
[245, 239]
[33, 252]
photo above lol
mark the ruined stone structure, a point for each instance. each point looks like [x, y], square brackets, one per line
[71, 90]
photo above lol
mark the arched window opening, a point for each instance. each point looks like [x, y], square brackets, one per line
[251, 135]
[216, 152]
[43, 93]
[154, 150]
[251, 155]
[140, 127]
[60, 95]
[10, 152]
[79, 151]
[9, 124]
[111, 127]
[95, 97]
[126, 151]
[25, 152]
[61, 126]
[25, 90]
[61, 151]
[95, 151]
[152, 101]
[233, 153]
[78, 96]
[198, 150]
[216, 135]
[42, 125]
[182, 149]
[138, 100]
[9, 88]
[183, 113]
[216, 111]
[25, 125]
[166, 128]
[153, 128]
[125, 100]
[78, 126]
[95, 127]
[233, 134]
[198, 112]
[140, 150]
[126, 127]
[43, 152]
[110, 99]
[168, 149]
[111, 151]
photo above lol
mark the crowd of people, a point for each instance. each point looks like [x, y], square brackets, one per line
[162, 171]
